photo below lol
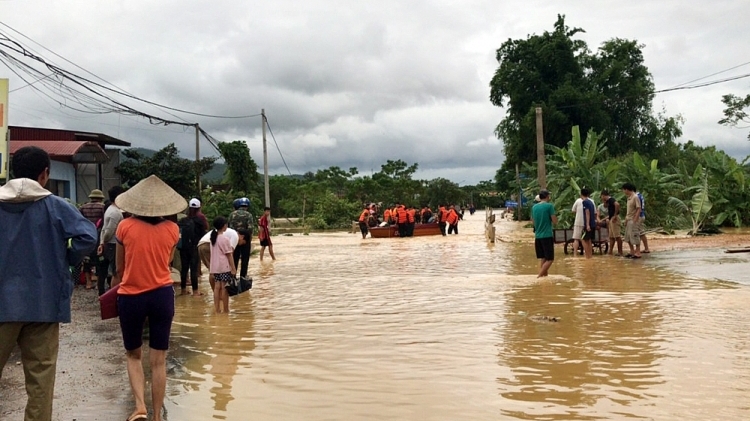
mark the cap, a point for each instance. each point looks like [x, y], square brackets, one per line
[195, 203]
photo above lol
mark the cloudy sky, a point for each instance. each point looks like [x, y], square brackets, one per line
[354, 83]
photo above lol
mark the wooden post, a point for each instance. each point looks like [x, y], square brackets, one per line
[520, 194]
[540, 160]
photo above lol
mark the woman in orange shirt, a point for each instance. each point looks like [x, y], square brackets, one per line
[145, 244]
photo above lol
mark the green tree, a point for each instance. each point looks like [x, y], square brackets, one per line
[179, 173]
[609, 91]
[542, 70]
[242, 171]
[396, 182]
[441, 191]
[736, 111]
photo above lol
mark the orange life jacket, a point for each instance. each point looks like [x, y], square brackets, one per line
[402, 215]
[364, 216]
[411, 213]
[443, 213]
[387, 215]
[452, 217]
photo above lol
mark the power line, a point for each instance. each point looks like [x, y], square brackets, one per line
[277, 145]
[18, 48]
[714, 74]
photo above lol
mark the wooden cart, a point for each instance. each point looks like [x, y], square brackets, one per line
[565, 236]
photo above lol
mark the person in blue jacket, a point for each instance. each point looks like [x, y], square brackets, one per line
[41, 235]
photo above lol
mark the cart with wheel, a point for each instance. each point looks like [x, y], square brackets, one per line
[565, 236]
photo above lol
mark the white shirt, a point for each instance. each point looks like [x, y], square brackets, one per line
[578, 209]
[234, 238]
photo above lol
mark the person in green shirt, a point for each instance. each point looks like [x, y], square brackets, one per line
[543, 215]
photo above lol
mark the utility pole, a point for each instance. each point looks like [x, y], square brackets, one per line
[540, 160]
[265, 158]
[197, 158]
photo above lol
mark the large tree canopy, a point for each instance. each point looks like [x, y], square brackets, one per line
[166, 163]
[609, 91]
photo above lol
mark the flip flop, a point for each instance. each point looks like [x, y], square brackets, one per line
[645, 251]
[628, 256]
[135, 417]
[635, 257]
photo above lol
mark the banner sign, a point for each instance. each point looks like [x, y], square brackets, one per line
[4, 158]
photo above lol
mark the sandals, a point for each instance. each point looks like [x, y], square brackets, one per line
[136, 417]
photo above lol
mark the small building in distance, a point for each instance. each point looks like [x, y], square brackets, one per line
[81, 161]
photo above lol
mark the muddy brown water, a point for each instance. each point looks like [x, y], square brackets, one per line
[437, 328]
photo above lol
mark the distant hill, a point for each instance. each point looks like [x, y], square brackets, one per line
[216, 175]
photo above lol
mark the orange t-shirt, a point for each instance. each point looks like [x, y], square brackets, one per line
[148, 250]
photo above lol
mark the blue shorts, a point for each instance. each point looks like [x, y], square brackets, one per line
[158, 307]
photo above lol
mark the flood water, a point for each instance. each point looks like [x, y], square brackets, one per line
[435, 328]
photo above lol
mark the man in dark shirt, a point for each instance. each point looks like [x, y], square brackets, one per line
[589, 223]
[613, 222]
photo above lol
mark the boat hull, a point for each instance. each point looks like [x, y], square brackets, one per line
[392, 231]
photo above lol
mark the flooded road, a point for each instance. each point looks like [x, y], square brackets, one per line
[436, 328]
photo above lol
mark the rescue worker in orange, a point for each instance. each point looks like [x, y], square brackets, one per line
[452, 220]
[363, 218]
[387, 216]
[411, 213]
[402, 219]
[442, 216]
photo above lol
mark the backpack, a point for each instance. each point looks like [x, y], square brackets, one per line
[190, 233]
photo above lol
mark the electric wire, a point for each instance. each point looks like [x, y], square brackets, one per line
[81, 92]
[276, 143]
[714, 74]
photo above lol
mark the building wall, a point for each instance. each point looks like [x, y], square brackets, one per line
[62, 180]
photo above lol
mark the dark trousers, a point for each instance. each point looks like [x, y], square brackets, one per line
[104, 263]
[189, 261]
[442, 227]
[242, 253]
[410, 229]
[453, 228]
[403, 230]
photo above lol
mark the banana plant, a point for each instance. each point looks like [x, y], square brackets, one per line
[699, 206]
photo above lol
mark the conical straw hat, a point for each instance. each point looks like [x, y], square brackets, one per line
[151, 197]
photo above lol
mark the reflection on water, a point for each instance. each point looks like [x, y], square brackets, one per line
[448, 328]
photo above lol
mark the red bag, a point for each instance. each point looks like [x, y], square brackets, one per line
[108, 303]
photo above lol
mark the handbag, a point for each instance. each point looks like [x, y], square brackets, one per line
[108, 303]
[239, 285]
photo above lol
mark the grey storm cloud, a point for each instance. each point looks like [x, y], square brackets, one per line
[353, 84]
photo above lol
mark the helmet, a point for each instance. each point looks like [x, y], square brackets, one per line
[236, 203]
[243, 201]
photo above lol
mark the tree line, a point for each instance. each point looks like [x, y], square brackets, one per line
[327, 198]
[605, 97]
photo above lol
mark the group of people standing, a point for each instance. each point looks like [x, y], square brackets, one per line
[587, 218]
[405, 217]
[131, 242]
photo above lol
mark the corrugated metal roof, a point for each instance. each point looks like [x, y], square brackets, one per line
[73, 151]
[40, 134]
